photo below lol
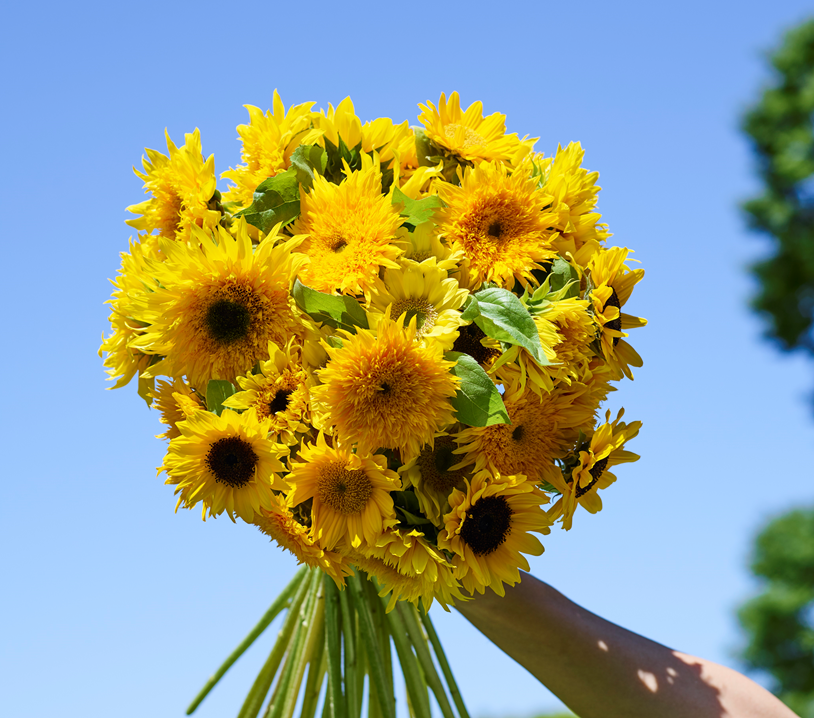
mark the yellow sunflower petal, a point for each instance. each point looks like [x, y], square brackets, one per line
[182, 188]
[383, 389]
[348, 231]
[225, 462]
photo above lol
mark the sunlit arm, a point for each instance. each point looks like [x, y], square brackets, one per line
[600, 670]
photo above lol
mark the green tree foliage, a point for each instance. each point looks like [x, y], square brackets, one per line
[780, 620]
[781, 129]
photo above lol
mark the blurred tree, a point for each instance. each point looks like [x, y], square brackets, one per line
[780, 621]
[780, 127]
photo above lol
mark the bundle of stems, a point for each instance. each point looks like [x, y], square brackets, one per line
[335, 639]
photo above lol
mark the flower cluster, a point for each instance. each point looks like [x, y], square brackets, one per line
[385, 346]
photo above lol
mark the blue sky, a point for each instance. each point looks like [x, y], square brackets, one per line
[113, 605]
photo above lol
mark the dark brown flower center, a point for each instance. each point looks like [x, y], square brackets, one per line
[227, 321]
[232, 460]
[495, 230]
[469, 342]
[435, 463]
[615, 324]
[487, 524]
[596, 472]
[346, 492]
[280, 401]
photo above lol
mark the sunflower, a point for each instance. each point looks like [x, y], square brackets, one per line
[423, 243]
[220, 305]
[349, 228]
[269, 140]
[280, 523]
[340, 122]
[469, 135]
[433, 477]
[176, 401]
[588, 472]
[517, 361]
[472, 340]
[314, 355]
[183, 189]
[576, 331]
[488, 530]
[598, 382]
[543, 428]
[384, 389]
[350, 493]
[225, 462]
[422, 291]
[574, 192]
[388, 140]
[123, 362]
[500, 223]
[409, 569]
[613, 282]
[279, 392]
[568, 328]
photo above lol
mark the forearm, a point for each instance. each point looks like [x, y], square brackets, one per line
[601, 670]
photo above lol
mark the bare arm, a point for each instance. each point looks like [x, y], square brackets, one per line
[601, 670]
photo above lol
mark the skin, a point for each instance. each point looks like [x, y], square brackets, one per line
[601, 670]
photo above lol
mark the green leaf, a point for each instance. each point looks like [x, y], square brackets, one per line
[276, 199]
[307, 161]
[416, 211]
[471, 309]
[335, 156]
[478, 401]
[502, 316]
[410, 518]
[406, 500]
[218, 391]
[564, 275]
[423, 149]
[337, 311]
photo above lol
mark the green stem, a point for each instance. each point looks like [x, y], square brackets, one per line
[351, 661]
[316, 670]
[422, 651]
[260, 688]
[277, 696]
[279, 604]
[361, 673]
[416, 687]
[334, 647]
[375, 660]
[383, 631]
[300, 652]
[444, 663]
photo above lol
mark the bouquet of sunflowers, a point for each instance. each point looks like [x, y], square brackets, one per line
[386, 347]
